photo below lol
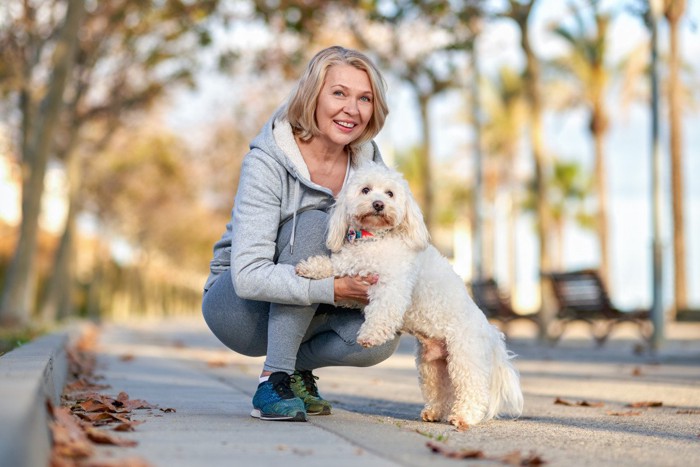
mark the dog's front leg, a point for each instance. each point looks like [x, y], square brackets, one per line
[315, 267]
[389, 300]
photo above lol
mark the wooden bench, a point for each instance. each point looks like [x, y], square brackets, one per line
[582, 296]
[496, 305]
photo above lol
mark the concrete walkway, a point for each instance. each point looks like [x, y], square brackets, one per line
[375, 422]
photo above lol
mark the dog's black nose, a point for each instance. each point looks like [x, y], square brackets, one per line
[378, 206]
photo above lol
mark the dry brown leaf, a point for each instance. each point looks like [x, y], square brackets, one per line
[216, 363]
[688, 412]
[126, 462]
[637, 371]
[128, 425]
[629, 413]
[645, 404]
[561, 401]
[454, 453]
[168, 410]
[134, 404]
[102, 437]
[69, 439]
[127, 357]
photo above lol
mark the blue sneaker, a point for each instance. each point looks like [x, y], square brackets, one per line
[274, 400]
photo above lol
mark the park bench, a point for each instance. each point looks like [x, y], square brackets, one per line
[581, 296]
[496, 304]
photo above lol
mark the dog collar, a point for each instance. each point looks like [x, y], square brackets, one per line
[356, 234]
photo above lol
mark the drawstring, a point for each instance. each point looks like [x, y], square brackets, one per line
[294, 216]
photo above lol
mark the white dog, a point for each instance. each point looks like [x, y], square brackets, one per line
[376, 227]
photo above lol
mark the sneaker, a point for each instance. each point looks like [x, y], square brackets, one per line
[304, 387]
[274, 400]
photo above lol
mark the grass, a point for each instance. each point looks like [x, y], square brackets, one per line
[10, 339]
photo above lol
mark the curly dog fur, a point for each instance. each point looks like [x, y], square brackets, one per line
[466, 375]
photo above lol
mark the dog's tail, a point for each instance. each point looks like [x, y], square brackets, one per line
[506, 398]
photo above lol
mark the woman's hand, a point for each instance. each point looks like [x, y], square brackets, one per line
[354, 288]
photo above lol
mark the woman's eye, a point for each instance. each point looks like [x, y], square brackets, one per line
[337, 93]
[365, 190]
[390, 194]
[366, 99]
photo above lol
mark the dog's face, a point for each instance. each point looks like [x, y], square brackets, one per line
[377, 198]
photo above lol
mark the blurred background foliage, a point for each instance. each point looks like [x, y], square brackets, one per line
[86, 89]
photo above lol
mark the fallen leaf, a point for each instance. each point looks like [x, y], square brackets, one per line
[168, 410]
[216, 363]
[127, 358]
[125, 462]
[102, 437]
[127, 426]
[637, 371]
[561, 401]
[688, 412]
[454, 453]
[645, 404]
[69, 439]
[629, 413]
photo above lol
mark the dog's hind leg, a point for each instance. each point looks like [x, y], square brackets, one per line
[471, 387]
[434, 380]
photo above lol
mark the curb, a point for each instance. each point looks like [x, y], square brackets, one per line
[31, 375]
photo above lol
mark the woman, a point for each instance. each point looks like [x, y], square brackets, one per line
[253, 300]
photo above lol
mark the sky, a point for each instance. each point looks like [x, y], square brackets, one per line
[627, 148]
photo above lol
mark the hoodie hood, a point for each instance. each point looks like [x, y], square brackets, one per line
[277, 140]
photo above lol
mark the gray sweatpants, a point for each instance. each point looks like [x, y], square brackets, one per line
[291, 336]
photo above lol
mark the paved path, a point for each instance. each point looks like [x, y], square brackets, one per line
[181, 365]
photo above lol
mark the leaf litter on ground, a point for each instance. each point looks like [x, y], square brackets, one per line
[512, 458]
[81, 422]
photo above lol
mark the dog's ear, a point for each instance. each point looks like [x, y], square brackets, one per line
[337, 224]
[413, 229]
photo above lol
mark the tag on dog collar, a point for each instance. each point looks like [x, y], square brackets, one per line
[355, 234]
[352, 235]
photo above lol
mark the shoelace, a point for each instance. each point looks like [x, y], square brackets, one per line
[309, 381]
[283, 387]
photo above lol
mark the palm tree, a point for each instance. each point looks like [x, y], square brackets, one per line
[505, 108]
[586, 64]
[674, 10]
[570, 187]
[520, 13]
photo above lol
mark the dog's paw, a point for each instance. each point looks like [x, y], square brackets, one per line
[464, 419]
[316, 267]
[373, 339]
[429, 414]
[459, 423]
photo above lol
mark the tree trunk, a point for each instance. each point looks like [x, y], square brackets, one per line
[602, 218]
[532, 93]
[674, 12]
[425, 171]
[19, 289]
[58, 299]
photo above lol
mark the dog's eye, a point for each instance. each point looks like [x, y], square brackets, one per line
[365, 190]
[390, 194]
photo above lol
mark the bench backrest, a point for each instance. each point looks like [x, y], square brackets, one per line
[489, 298]
[581, 292]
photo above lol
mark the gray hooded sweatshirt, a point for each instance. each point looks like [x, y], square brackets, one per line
[274, 186]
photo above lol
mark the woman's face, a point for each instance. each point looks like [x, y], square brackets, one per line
[344, 106]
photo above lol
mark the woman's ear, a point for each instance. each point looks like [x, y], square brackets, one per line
[413, 229]
[337, 224]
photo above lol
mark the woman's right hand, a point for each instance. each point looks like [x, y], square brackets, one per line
[354, 288]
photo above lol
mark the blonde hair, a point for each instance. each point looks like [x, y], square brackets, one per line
[301, 105]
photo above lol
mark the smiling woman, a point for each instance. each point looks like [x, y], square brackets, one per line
[253, 300]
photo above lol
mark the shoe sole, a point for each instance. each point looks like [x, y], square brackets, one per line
[325, 411]
[298, 417]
